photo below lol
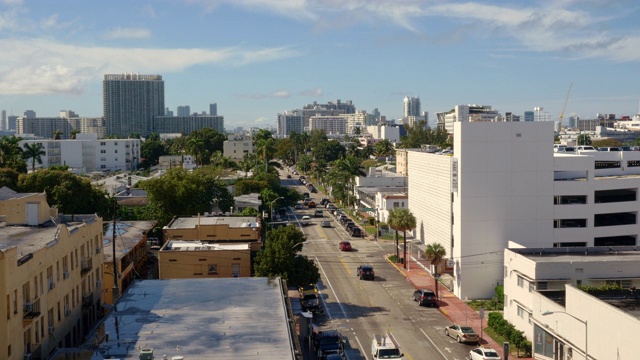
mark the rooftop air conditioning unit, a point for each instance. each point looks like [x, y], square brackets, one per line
[146, 354]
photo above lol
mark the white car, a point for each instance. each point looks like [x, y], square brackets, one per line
[482, 353]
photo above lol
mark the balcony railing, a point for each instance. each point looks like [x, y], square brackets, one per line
[31, 309]
[86, 265]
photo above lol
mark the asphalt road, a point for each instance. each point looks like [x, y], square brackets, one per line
[360, 308]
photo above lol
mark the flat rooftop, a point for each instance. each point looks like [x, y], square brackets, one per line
[581, 254]
[178, 245]
[197, 319]
[232, 221]
[29, 239]
[128, 235]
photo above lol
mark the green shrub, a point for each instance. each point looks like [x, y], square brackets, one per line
[505, 329]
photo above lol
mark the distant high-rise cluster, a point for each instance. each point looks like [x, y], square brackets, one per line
[184, 110]
[411, 106]
[131, 101]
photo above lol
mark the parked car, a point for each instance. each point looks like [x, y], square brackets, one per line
[425, 297]
[481, 353]
[324, 201]
[298, 207]
[325, 224]
[356, 232]
[318, 213]
[330, 206]
[365, 272]
[305, 195]
[343, 219]
[349, 224]
[327, 342]
[288, 176]
[345, 246]
[302, 177]
[462, 333]
[311, 204]
[313, 189]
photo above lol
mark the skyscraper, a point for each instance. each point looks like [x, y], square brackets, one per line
[131, 101]
[3, 121]
[184, 110]
[213, 109]
[411, 106]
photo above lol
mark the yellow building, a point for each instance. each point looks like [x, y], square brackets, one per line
[209, 246]
[51, 274]
[130, 252]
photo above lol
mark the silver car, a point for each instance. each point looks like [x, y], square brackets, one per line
[462, 333]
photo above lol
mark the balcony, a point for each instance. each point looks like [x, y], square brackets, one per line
[87, 300]
[30, 310]
[86, 266]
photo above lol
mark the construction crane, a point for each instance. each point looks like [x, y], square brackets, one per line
[565, 105]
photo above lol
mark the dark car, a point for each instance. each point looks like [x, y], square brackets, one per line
[318, 213]
[348, 225]
[343, 218]
[305, 195]
[425, 297]
[288, 176]
[313, 189]
[327, 342]
[356, 232]
[324, 201]
[365, 272]
[302, 177]
[310, 302]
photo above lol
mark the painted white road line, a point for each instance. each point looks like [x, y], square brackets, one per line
[432, 343]
[344, 313]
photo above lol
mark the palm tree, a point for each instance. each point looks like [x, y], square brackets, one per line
[401, 219]
[266, 148]
[11, 153]
[73, 133]
[197, 148]
[57, 135]
[351, 167]
[384, 148]
[435, 253]
[35, 152]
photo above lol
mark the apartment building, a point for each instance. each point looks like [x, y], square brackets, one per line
[187, 124]
[87, 153]
[543, 301]
[290, 121]
[329, 124]
[505, 183]
[209, 246]
[130, 250]
[125, 116]
[52, 272]
[237, 148]
[467, 113]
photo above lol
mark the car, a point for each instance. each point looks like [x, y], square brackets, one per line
[324, 201]
[345, 246]
[288, 176]
[325, 224]
[306, 220]
[482, 353]
[349, 224]
[327, 342]
[330, 206]
[295, 172]
[334, 357]
[425, 297]
[298, 206]
[365, 272]
[302, 177]
[343, 219]
[462, 333]
[305, 195]
[311, 204]
[318, 213]
[313, 189]
[355, 232]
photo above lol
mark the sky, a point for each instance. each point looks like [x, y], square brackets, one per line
[258, 58]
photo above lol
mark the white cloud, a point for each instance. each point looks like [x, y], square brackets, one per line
[128, 33]
[298, 9]
[39, 66]
[280, 94]
[317, 92]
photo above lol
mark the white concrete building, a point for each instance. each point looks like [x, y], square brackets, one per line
[505, 183]
[290, 121]
[391, 133]
[237, 149]
[187, 124]
[411, 106]
[542, 300]
[467, 113]
[329, 124]
[88, 154]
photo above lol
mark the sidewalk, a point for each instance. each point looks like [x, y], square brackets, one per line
[453, 308]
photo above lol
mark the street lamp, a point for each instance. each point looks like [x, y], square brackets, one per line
[271, 207]
[586, 337]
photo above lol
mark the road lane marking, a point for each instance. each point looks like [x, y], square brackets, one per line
[344, 264]
[363, 352]
[434, 344]
[344, 313]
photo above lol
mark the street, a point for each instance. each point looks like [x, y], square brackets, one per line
[359, 308]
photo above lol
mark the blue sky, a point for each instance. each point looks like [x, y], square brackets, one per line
[257, 58]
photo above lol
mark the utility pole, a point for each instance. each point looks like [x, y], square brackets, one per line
[115, 292]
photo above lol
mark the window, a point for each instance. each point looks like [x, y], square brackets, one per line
[103, 151]
[103, 143]
[542, 285]
[532, 287]
[213, 269]
[520, 281]
[520, 312]
[607, 164]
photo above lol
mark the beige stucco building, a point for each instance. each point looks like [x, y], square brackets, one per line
[51, 274]
[209, 246]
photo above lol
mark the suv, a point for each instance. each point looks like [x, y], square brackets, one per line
[425, 297]
[356, 232]
[327, 342]
[365, 272]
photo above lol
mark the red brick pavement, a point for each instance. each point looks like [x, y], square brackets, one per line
[453, 308]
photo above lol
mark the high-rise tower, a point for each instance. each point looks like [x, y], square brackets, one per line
[411, 106]
[131, 101]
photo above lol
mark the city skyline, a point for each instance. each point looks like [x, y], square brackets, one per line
[258, 58]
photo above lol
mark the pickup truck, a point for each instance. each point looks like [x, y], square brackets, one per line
[385, 347]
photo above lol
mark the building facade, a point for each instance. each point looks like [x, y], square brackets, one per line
[290, 121]
[467, 113]
[88, 153]
[51, 268]
[237, 149]
[329, 124]
[130, 101]
[187, 124]
[411, 106]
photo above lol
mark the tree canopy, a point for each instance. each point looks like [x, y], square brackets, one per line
[280, 257]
